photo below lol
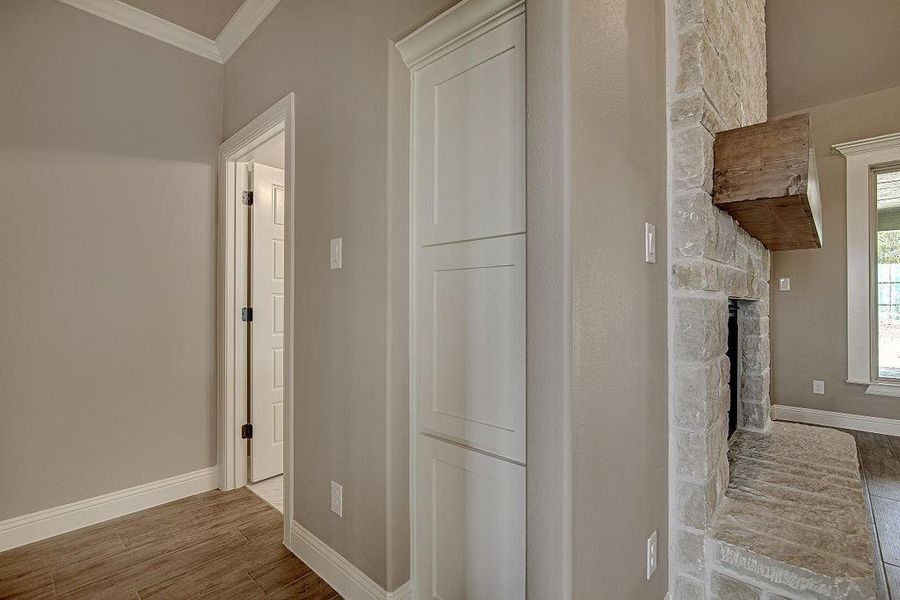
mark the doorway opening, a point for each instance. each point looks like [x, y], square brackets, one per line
[265, 319]
[256, 241]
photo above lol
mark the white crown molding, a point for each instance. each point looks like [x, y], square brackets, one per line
[873, 144]
[338, 572]
[40, 525]
[812, 416]
[143, 22]
[242, 24]
[463, 22]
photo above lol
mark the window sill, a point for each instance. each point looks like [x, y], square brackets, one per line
[884, 389]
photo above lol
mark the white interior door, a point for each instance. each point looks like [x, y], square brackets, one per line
[267, 326]
[467, 360]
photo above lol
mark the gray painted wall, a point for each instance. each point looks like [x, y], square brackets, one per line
[333, 55]
[549, 304]
[619, 385]
[597, 411]
[809, 323]
[107, 257]
[816, 47]
[597, 339]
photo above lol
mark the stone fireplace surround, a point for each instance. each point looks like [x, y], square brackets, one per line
[717, 81]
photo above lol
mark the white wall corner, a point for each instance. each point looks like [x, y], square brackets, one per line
[43, 524]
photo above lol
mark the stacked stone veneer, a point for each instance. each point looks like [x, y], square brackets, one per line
[717, 81]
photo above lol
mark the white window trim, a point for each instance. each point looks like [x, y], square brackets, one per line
[862, 156]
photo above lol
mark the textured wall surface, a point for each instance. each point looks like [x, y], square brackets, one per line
[351, 405]
[618, 385]
[108, 144]
[717, 68]
[809, 322]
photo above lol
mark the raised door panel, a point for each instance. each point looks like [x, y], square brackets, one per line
[267, 327]
[469, 124]
[471, 508]
[471, 343]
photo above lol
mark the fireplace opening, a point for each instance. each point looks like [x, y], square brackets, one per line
[733, 359]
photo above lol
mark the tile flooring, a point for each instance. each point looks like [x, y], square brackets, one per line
[270, 490]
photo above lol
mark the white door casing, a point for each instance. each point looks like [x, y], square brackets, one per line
[267, 328]
[467, 302]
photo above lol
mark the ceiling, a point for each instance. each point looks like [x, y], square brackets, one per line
[206, 17]
[820, 51]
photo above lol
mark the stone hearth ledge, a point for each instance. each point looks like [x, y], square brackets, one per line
[793, 523]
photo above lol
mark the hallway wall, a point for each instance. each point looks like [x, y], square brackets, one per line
[597, 344]
[619, 349]
[107, 257]
[348, 428]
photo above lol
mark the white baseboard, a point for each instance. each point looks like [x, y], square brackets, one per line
[25, 529]
[814, 416]
[404, 592]
[346, 579]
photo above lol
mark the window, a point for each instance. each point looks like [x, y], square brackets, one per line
[886, 188]
[873, 263]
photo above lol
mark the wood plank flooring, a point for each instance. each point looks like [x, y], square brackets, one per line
[213, 545]
[879, 456]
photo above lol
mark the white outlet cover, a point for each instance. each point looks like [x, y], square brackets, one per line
[784, 284]
[818, 386]
[652, 554]
[337, 499]
[336, 253]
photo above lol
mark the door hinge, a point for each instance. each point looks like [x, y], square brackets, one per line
[247, 314]
[247, 198]
[246, 431]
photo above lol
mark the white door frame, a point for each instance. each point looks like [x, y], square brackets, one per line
[232, 292]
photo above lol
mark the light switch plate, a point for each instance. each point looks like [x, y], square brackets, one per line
[818, 386]
[649, 243]
[652, 557]
[336, 252]
[784, 284]
[337, 499]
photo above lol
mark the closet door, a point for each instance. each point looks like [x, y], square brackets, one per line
[471, 347]
[469, 122]
[467, 359]
[472, 537]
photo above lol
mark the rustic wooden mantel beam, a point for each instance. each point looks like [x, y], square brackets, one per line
[765, 177]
